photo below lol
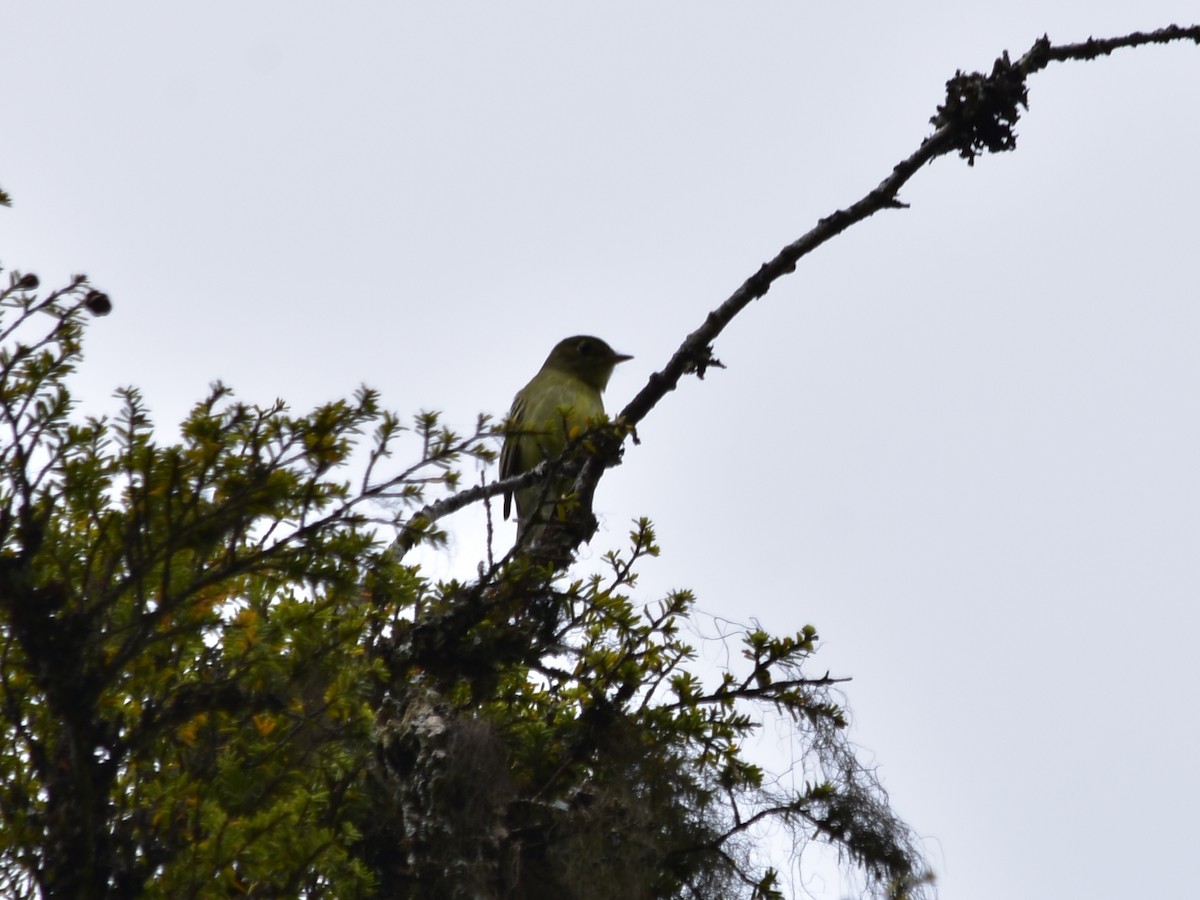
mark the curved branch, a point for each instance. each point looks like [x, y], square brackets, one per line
[978, 116]
[977, 108]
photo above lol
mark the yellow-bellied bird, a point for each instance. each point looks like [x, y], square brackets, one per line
[561, 401]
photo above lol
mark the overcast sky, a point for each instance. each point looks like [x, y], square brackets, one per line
[961, 440]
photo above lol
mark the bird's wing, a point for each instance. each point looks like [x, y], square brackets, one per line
[510, 454]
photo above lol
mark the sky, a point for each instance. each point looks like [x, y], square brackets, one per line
[961, 440]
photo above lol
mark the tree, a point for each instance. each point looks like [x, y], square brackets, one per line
[219, 679]
[220, 676]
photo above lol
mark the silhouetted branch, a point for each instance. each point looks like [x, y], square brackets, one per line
[978, 116]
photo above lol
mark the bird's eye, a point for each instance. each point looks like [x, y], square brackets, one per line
[587, 348]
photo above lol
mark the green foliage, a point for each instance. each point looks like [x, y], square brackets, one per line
[187, 690]
[219, 681]
[620, 764]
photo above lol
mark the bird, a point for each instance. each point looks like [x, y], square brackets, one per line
[558, 404]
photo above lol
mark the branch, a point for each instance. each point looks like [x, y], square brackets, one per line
[768, 692]
[1043, 52]
[695, 350]
[979, 114]
[579, 448]
[420, 521]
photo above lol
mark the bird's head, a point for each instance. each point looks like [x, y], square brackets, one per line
[587, 358]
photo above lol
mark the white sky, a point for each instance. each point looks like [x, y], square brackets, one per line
[961, 440]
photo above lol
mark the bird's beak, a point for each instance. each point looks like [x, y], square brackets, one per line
[620, 358]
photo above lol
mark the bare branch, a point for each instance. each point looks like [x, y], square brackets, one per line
[959, 123]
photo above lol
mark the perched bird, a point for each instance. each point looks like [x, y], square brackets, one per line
[558, 404]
